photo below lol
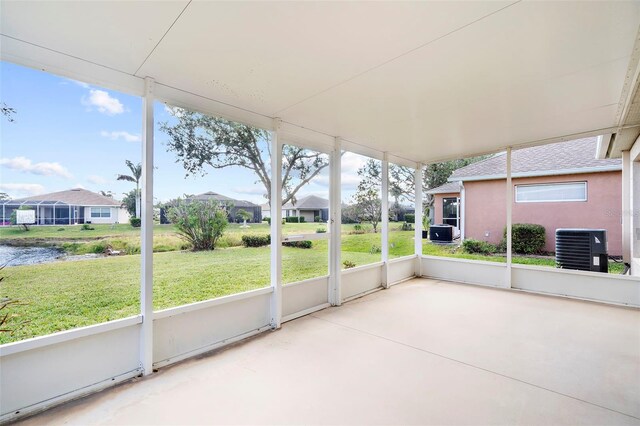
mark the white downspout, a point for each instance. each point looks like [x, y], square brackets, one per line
[462, 211]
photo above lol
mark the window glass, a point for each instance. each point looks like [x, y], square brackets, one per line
[451, 211]
[100, 212]
[573, 191]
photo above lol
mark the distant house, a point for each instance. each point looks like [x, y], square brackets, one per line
[308, 207]
[232, 206]
[560, 185]
[69, 207]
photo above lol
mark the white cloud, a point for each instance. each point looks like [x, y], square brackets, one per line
[18, 190]
[104, 102]
[98, 180]
[351, 163]
[24, 165]
[79, 186]
[252, 190]
[129, 137]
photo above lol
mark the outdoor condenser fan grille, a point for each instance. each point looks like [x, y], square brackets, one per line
[582, 249]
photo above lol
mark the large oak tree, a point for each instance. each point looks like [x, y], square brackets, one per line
[201, 142]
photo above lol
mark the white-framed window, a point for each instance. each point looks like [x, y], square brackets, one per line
[551, 192]
[100, 212]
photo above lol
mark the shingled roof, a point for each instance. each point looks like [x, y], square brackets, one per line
[74, 197]
[576, 156]
[447, 188]
[310, 202]
[223, 199]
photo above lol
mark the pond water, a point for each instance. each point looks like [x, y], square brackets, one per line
[14, 256]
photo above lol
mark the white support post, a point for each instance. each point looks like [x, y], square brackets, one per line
[335, 224]
[417, 178]
[69, 215]
[276, 226]
[146, 250]
[385, 220]
[509, 217]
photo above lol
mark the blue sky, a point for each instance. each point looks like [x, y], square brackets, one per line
[69, 134]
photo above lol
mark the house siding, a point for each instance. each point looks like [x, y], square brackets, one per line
[118, 215]
[485, 212]
[437, 214]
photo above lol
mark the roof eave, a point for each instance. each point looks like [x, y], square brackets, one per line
[584, 170]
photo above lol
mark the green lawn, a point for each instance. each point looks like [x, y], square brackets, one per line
[63, 295]
[456, 252]
[127, 239]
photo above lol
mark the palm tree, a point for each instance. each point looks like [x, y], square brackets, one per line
[136, 174]
[244, 215]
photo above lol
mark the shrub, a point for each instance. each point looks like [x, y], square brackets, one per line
[268, 220]
[243, 216]
[136, 222]
[527, 238]
[298, 244]
[317, 219]
[410, 218]
[321, 230]
[86, 227]
[295, 219]
[375, 249]
[256, 240]
[98, 248]
[60, 229]
[406, 227]
[348, 264]
[479, 247]
[200, 223]
[358, 229]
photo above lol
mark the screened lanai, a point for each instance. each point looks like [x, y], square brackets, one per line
[47, 212]
[406, 85]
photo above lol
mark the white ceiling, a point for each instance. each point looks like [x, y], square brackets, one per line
[420, 80]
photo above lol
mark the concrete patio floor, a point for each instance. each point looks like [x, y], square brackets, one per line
[422, 352]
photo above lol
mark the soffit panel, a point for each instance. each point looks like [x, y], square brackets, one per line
[267, 56]
[116, 34]
[531, 72]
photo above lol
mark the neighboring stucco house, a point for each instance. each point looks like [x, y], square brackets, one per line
[308, 207]
[232, 205]
[559, 185]
[73, 206]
